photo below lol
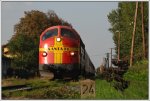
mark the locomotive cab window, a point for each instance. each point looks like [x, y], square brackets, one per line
[68, 33]
[50, 33]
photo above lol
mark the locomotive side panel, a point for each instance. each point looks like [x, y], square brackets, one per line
[82, 57]
[89, 67]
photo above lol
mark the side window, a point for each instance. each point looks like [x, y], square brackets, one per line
[50, 33]
[68, 33]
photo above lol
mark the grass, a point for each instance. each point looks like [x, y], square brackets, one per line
[136, 90]
[45, 89]
[138, 72]
[138, 87]
[104, 90]
[138, 77]
[58, 89]
[13, 81]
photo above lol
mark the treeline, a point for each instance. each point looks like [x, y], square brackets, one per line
[122, 21]
[24, 44]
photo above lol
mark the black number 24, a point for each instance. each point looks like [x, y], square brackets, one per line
[90, 90]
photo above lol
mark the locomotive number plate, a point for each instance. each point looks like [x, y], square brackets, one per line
[87, 88]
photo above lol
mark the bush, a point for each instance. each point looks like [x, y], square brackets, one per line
[138, 72]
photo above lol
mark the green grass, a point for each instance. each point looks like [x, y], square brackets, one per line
[138, 87]
[45, 89]
[58, 89]
[104, 90]
[138, 72]
[136, 90]
[138, 77]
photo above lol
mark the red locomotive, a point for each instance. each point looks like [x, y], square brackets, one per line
[62, 52]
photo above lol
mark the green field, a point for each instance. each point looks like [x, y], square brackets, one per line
[58, 89]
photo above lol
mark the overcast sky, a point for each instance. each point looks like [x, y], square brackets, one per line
[89, 19]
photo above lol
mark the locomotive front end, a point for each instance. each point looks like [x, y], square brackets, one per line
[59, 52]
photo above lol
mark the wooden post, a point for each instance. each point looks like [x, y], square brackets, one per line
[118, 45]
[111, 57]
[108, 59]
[143, 37]
[87, 88]
[133, 34]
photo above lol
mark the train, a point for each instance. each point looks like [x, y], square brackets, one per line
[62, 52]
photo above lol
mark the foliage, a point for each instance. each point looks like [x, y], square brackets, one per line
[23, 47]
[138, 76]
[53, 19]
[34, 22]
[20, 46]
[122, 20]
[25, 42]
[138, 72]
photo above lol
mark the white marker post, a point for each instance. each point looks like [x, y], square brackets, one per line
[87, 88]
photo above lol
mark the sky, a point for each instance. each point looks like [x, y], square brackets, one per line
[89, 19]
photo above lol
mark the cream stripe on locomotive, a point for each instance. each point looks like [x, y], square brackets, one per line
[57, 52]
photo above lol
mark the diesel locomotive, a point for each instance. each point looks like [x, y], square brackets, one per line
[62, 52]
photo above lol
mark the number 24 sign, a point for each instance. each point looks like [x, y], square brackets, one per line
[87, 88]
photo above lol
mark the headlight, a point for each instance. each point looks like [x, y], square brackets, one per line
[58, 39]
[44, 54]
[72, 53]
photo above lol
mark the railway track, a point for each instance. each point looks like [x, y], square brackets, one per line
[21, 88]
[28, 88]
[17, 88]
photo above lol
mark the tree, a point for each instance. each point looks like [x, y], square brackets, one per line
[55, 20]
[34, 22]
[121, 20]
[23, 48]
[25, 42]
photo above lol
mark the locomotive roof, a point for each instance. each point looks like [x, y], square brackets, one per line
[62, 26]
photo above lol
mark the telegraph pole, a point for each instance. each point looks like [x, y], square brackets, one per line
[111, 56]
[118, 45]
[118, 57]
[133, 34]
[143, 29]
[107, 55]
